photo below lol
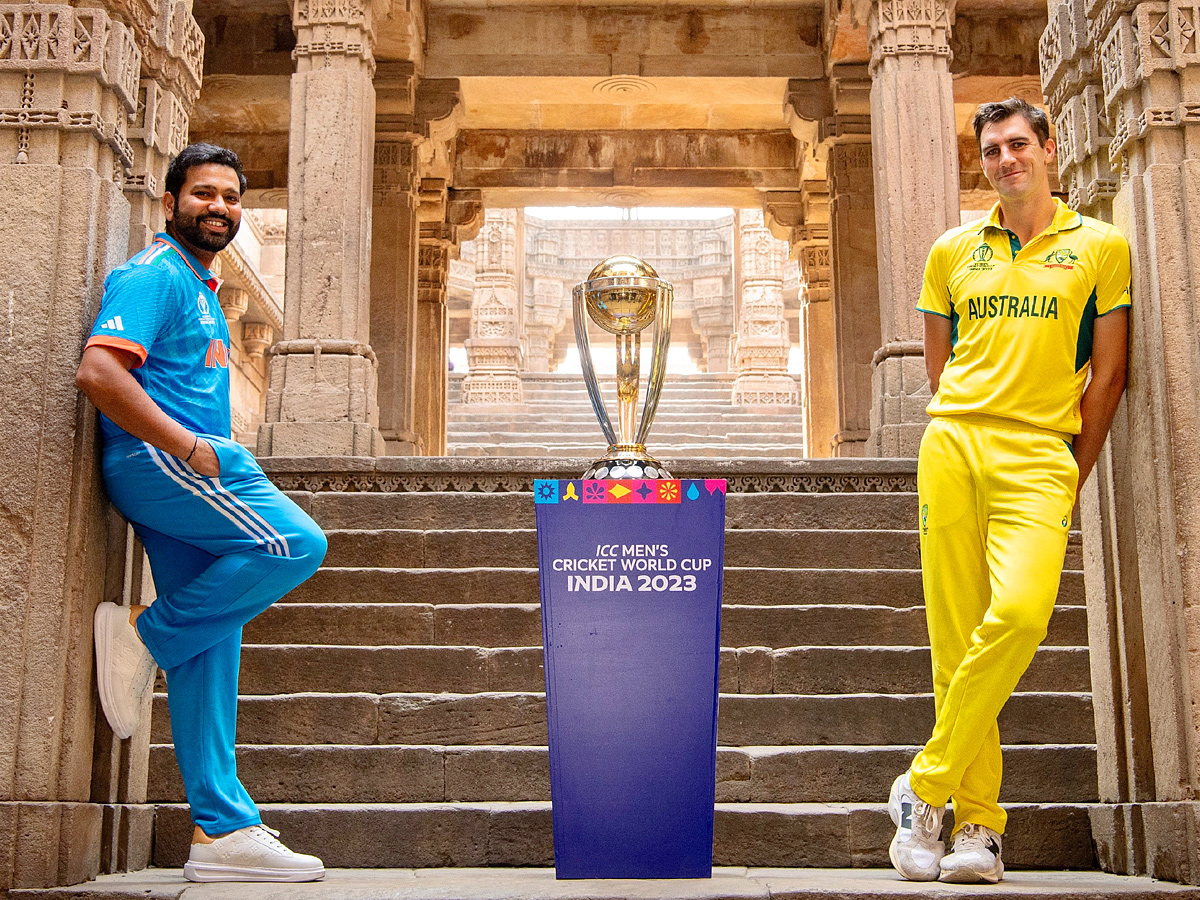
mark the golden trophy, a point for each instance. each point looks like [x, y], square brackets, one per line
[624, 296]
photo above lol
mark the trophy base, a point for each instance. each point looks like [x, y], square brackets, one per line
[627, 465]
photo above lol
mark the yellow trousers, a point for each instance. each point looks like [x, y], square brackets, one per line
[995, 509]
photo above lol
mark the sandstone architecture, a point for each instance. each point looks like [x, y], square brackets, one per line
[393, 132]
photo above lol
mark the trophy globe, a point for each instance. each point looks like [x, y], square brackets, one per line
[624, 296]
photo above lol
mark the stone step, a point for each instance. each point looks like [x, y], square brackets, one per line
[515, 509]
[433, 774]
[886, 587]
[1054, 836]
[519, 718]
[274, 669]
[517, 548]
[505, 883]
[520, 625]
[594, 450]
[559, 432]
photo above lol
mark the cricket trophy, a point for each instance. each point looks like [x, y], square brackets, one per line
[624, 296]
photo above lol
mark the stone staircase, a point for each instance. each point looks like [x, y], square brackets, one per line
[695, 419]
[393, 714]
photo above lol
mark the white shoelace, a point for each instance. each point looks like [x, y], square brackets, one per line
[270, 838]
[972, 837]
[925, 820]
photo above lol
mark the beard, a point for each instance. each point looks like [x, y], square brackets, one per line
[191, 229]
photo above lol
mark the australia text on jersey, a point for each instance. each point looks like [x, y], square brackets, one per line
[1012, 306]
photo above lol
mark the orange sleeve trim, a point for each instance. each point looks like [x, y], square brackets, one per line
[118, 343]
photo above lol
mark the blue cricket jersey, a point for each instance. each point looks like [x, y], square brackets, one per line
[162, 306]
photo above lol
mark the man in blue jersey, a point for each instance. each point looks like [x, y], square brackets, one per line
[223, 542]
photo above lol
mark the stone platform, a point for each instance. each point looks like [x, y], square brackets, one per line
[540, 884]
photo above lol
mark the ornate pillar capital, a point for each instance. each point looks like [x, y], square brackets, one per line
[335, 33]
[898, 28]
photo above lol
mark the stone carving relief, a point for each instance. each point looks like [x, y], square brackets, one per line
[1097, 57]
[909, 28]
[494, 348]
[78, 43]
[763, 341]
[329, 30]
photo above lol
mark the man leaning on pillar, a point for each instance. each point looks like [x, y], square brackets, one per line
[223, 542]
[1019, 310]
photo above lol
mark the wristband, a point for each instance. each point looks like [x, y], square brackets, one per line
[195, 444]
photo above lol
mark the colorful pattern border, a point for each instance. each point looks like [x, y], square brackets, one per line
[546, 490]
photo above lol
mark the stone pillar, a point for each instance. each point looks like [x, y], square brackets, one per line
[321, 399]
[494, 347]
[762, 338]
[915, 151]
[394, 239]
[855, 290]
[713, 320]
[71, 796]
[436, 247]
[546, 313]
[819, 343]
[1120, 78]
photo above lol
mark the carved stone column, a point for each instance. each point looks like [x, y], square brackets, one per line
[395, 237]
[762, 339]
[494, 347]
[1121, 82]
[855, 289]
[546, 313]
[71, 796]
[436, 249]
[321, 400]
[819, 341]
[713, 320]
[915, 151]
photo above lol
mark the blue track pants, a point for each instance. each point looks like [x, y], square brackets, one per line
[221, 551]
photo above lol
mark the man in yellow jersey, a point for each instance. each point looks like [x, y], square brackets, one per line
[1019, 309]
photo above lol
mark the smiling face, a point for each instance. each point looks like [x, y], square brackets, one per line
[208, 211]
[1015, 164]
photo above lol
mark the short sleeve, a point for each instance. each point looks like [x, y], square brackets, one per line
[136, 306]
[1112, 273]
[935, 292]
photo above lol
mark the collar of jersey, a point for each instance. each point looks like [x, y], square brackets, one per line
[1064, 219]
[201, 273]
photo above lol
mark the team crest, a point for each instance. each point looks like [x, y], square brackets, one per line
[982, 258]
[206, 317]
[1060, 259]
[924, 518]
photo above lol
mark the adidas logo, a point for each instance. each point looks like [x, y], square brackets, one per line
[114, 324]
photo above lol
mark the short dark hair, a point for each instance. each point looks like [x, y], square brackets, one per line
[989, 113]
[197, 155]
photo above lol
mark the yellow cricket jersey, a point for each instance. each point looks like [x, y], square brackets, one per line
[1022, 317]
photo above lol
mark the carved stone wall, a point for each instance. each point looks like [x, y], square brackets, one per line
[84, 107]
[1121, 80]
[494, 347]
[763, 341]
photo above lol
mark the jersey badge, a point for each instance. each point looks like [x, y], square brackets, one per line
[205, 316]
[924, 518]
[1060, 259]
[981, 258]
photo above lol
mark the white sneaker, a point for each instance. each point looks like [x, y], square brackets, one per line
[917, 848]
[250, 854]
[975, 858]
[124, 668]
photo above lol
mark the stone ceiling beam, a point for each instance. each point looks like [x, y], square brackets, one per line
[538, 40]
[631, 160]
